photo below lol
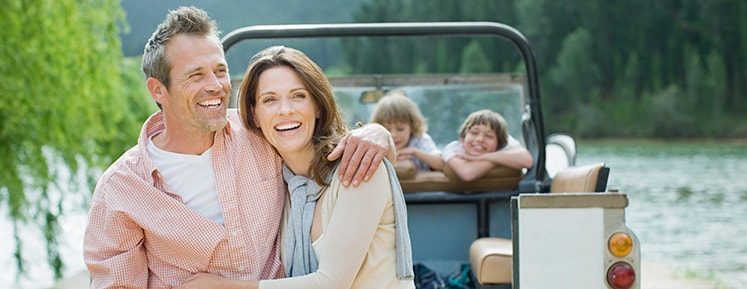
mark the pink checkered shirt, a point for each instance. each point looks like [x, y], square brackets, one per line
[141, 235]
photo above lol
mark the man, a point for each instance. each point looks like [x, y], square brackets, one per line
[198, 193]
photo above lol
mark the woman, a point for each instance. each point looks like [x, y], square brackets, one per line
[334, 237]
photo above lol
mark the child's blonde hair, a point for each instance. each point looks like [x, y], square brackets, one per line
[395, 106]
[494, 120]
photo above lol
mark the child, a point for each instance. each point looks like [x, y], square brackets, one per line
[484, 143]
[403, 119]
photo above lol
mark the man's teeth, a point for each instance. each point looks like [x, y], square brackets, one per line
[212, 102]
[288, 126]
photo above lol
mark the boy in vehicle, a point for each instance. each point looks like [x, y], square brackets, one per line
[484, 143]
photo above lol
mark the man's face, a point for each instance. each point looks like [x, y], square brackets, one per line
[197, 98]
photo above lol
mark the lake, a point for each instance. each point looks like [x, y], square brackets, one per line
[688, 207]
[688, 203]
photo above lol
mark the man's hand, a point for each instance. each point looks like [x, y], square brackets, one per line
[362, 151]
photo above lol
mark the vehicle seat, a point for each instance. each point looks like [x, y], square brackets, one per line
[588, 178]
[492, 258]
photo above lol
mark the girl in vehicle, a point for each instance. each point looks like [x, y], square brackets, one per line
[402, 117]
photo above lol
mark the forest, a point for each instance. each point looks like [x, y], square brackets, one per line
[626, 69]
[73, 98]
[620, 69]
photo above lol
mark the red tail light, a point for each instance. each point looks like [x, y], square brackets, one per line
[621, 276]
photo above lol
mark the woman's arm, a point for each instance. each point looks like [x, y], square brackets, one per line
[207, 280]
[347, 236]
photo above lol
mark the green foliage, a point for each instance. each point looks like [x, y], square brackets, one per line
[575, 78]
[671, 117]
[716, 83]
[639, 68]
[64, 110]
[474, 59]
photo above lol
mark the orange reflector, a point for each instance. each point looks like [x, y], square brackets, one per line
[620, 244]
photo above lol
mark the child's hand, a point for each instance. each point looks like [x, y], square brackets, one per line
[467, 157]
[406, 153]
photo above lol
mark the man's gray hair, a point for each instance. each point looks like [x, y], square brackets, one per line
[184, 20]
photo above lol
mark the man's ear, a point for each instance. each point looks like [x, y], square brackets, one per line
[157, 90]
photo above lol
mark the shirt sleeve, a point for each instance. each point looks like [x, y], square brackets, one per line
[450, 150]
[347, 236]
[425, 143]
[512, 141]
[113, 250]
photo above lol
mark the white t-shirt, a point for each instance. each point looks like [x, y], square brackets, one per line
[190, 176]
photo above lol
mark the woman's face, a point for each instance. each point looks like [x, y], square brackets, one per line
[400, 131]
[285, 110]
[480, 139]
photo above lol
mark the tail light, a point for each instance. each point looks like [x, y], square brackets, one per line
[621, 275]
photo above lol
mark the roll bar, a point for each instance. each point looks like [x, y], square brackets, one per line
[535, 179]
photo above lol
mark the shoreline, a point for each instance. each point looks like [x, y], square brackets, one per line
[658, 276]
[652, 276]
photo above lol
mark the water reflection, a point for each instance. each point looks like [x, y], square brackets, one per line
[684, 193]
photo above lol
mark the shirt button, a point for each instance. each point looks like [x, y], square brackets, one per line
[241, 268]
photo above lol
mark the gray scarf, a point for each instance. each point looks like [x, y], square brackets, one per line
[301, 259]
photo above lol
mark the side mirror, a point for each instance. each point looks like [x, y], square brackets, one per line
[372, 96]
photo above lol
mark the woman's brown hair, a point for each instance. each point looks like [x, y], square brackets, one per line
[330, 126]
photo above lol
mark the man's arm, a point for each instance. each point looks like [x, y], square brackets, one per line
[362, 151]
[113, 251]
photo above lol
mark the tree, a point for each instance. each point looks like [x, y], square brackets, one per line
[474, 59]
[64, 108]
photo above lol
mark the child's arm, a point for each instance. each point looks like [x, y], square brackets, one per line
[433, 160]
[469, 170]
[514, 156]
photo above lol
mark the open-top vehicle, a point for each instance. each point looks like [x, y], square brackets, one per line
[510, 227]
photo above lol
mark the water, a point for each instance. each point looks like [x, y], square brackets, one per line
[688, 203]
[688, 207]
[38, 274]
